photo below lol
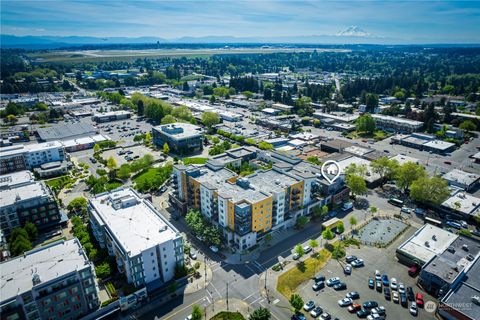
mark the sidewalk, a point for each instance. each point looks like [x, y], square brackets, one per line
[234, 305]
[194, 284]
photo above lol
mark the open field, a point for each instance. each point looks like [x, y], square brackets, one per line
[127, 55]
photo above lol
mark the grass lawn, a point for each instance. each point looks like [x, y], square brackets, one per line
[153, 178]
[187, 161]
[113, 185]
[289, 281]
[60, 182]
[224, 315]
[377, 135]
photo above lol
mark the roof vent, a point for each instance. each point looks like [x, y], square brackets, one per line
[427, 244]
[476, 300]
[36, 279]
[434, 237]
[163, 228]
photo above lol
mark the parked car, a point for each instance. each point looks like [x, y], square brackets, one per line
[371, 283]
[378, 286]
[378, 276]
[316, 312]
[387, 294]
[385, 280]
[363, 313]
[401, 288]
[403, 299]
[340, 286]
[419, 300]
[345, 302]
[413, 270]
[410, 294]
[357, 263]
[214, 249]
[296, 256]
[413, 309]
[379, 310]
[353, 295]
[307, 249]
[298, 316]
[349, 259]
[405, 210]
[332, 281]
[370, 304]
[347, 269]
[309, 305]
[318, 285]
[319, 278]
[354, 307]
[375, 316]
[395, 297]
[193, 255]
[393, 284]
[325, 316]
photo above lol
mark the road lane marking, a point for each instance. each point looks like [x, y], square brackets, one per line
[178, 311]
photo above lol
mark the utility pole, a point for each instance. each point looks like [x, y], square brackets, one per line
[227, 295]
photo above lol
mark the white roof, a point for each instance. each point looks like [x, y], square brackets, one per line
[422, 244]
[137, 225]
[49, 262]
[439, 144]
[15, 178]
[402, 159]
[269, 110]
[297, 143]
[469, 204]
[397, 119]
[112, 113]
[461, 177]
[371, 176]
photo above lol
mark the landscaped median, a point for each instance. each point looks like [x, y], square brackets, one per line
[290, 280]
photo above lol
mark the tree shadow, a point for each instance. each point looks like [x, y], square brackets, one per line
[301, 266]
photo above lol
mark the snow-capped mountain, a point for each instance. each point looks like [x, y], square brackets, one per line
[353, 31]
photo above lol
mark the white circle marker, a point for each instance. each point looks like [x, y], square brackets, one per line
[330, 170]
[430, 306]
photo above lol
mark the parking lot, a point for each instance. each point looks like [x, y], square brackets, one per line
[375, 259]
[127, 155]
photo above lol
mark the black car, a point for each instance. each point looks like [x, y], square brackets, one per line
[340, 286]
[403, 300]
[371, 283]
[386, 292]
[319, 278]
[350, 258]
[410, 294]
[318, 285]
[363, 313]
[370, 304]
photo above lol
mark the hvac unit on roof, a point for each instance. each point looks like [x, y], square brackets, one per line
[465, 247]
[470, 257]
[434, 238]
[427, 244]
[476, 300]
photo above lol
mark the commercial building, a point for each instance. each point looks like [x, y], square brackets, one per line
[424, 142]
[83, 143]
[462, 300]
[282, 107]
[111, 116]
[465, 180]
[340, 117]
[23, 199]
[56, 281]
[247, 208]
[390, 123]
[463, 204]
[53, 169]
[21, 157]
[66, 132]
[182, 138]
[147, 248]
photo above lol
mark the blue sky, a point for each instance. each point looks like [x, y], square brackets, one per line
[436, 21]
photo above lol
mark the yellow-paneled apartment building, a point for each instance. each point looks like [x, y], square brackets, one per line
[247, 208]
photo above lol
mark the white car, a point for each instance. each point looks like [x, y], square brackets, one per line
[378, 276]
[413, 309]
[345, 302]
[332, 281]
[401, 288]
[378, 310]
[189, 317]
[214, 249]
[395, 296]
[374, 316]
[393, 284]
[309, 305]
[307, 249]
[357, 263]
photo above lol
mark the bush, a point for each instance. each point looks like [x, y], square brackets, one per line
[103, 270]
[197, 265]
[107, 302]
[111, 289]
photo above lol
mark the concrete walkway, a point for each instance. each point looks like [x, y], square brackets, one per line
[234, 305]
[197, 284]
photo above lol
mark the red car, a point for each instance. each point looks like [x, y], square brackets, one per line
[419, 300]
[413, 271]
[354, 308]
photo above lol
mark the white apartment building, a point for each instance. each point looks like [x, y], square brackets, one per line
[146, 246]
[397, 124]
[21, 157]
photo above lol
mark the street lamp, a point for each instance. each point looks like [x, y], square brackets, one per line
[227, 283]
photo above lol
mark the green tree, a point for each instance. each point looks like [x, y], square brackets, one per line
[265, 146]
[248, 94]
[19, 245]
[123, 172]
[197, 312]
[327, 234]
[78, 204]
[373, 209]
[356, 184]
[371, 102]
[267, 238]
[302, 221]
[468, 126]
[209, 119]
[430, 190]
[299, 250]
[340, 227]
[296, 302]
[384, 167]
[366, 124]
[407, 173]
[31, 230]
[212, 235]
[313, 243]
[12, 119]
[103, 270]
[111, 163]
[195, 221]
[96, 148]
[260, 314]
[353, 221]
[166, 149]
[358, 170]
[168, 119]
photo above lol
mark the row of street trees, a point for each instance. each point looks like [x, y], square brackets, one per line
[202, 228]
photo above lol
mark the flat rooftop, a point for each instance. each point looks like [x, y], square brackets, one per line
[428, 242]
[179, 131]
[48, 262]
[469, 204]
[461, 177]
[135, 223]
[439, 145]
[14, 179]
[66, 131]
[23, 192]
[370, 176]
[459, 255]
[397, 120]
[402, 159]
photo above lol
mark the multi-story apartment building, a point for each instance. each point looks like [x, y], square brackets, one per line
[397, 124]
[56, 281]
[23, 199]
[146, 246]
[182, 138]
[21, 157]
[248, 207]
